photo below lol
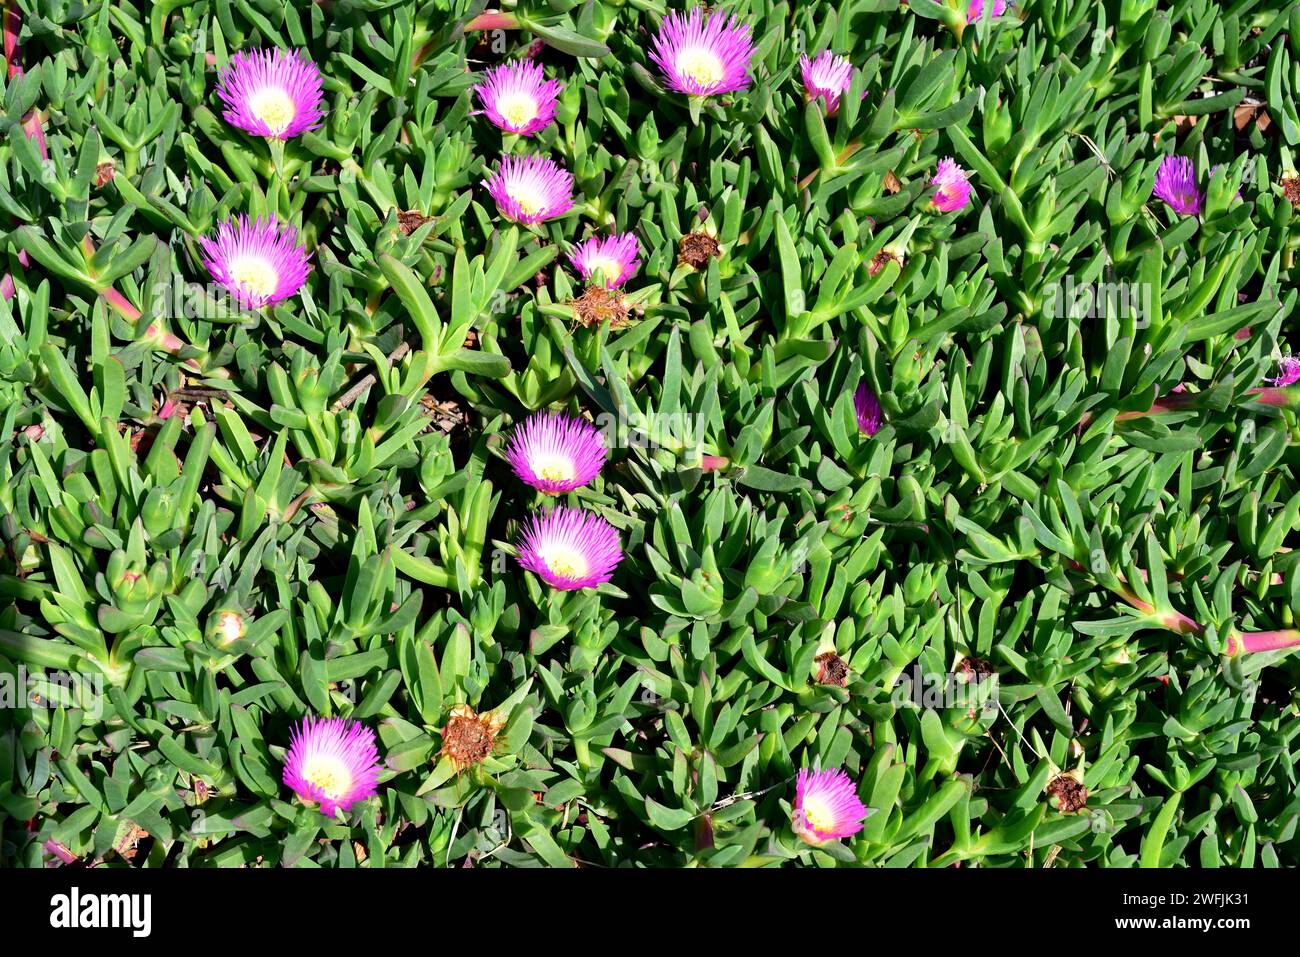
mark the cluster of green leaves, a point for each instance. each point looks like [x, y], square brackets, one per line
[1030, 507]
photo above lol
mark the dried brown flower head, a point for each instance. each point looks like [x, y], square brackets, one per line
[1071, 796]
[832, 669]
[1291, 189]
[598, 305]
[410, 220]
[696, 249]
[445, 415]
[882, 259]
[468, 737]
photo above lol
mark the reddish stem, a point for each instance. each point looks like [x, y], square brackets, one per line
[1282, 397]
[1173, 402]
[1249, 641]
[1238, 641]
[53, 846]
[36, 131]
[13, 24]
[1279, 396]
[121, 304]
[1173, 620]
[160, 338]
[492, 20]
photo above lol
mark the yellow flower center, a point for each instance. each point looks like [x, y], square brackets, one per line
[328, 773]
[817, 814]
[607, 267]
[529, 196]
[701, 65]
[566, 562]
[554, 468]
[256, 275]
[518, 108]
[274, 107]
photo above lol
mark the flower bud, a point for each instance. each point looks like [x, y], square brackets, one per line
[225, 628]
[647, 140]
[158, 512]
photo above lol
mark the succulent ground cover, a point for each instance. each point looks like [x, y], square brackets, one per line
[611, 435]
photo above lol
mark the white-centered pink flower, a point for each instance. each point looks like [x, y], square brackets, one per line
[518, 98]
[271, 93]
[530, 189]
[826, 76]
[332, 762]
[569, 548]
[826, 806]
[613, 257]
[556, 452]
[259, 260]
[703, 55]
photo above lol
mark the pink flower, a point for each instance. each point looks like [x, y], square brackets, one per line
[259, 261]
[826, 806]
[867, 407]
[703, 55]
[271, 93]
[1176, 185]
[569, 548]
[518, 98]
[1288, 372]
[614, 257]
[827, 76]
[976, 9]
[530, 189]
[332, 762]
[953, 186]
[555, 452]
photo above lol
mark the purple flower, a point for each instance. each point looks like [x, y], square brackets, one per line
[976, 9]
[332, 762]
[530, 189]
[1176, 185]
[614, 257]
[260, 262]
[826, 806]
[953, 186]
[703, 55]
[827, 76]
[555, 452]
[1288, 371]
[518, 98]
[867, 408]
[271, 93]
[569, 548]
